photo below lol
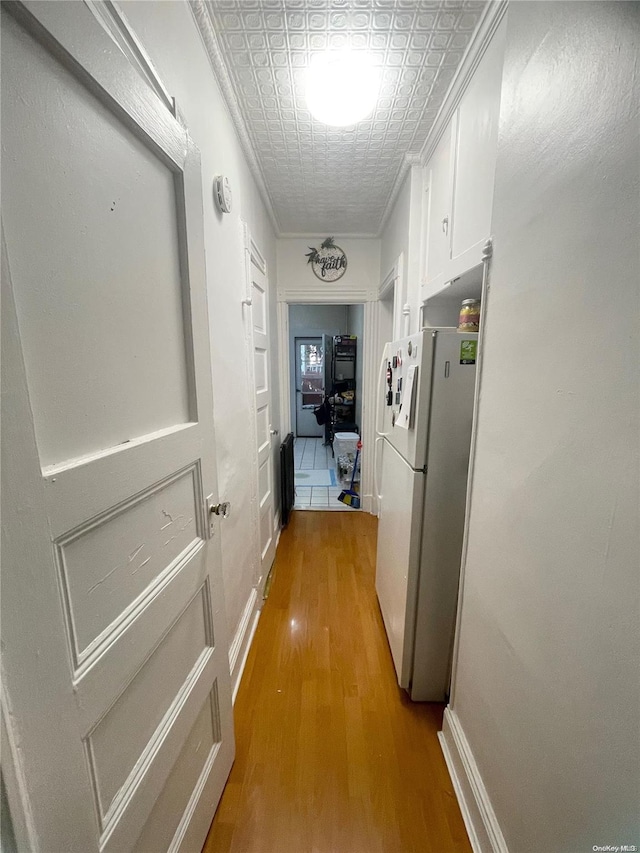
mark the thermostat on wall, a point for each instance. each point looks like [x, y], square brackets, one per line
[222, 189]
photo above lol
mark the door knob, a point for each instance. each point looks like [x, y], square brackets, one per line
[223, 509]
[273, 431]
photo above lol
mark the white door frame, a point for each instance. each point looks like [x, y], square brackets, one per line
[241, 642]
[393, 283]
[252, 254]
[392, 289]
[298, 339]
[367, 351]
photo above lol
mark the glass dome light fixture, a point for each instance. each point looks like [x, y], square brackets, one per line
[341, 87]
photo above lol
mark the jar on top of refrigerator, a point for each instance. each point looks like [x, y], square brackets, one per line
[469, 320]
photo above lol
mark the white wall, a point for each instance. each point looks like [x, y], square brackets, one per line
[316, 319]
[358, 284]
[395, 237]
[169, 34]
[546, 684]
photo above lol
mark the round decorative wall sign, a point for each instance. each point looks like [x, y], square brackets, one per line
[329, 262]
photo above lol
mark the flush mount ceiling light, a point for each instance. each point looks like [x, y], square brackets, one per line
[341, 87]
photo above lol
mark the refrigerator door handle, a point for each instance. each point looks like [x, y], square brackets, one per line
[380, 408]
[375, 471]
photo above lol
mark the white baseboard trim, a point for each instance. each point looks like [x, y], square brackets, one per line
[479, 817]
[239, 648]
[247, 647]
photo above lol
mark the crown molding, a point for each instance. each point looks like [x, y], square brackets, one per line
[402, 173]
[210, 41]
[410, 159]
[492, 14]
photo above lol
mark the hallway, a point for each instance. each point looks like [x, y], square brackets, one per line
[331, 756]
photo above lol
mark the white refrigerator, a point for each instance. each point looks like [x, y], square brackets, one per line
[423, 423]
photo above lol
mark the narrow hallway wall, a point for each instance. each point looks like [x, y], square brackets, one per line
[545, 692]
[169, 33]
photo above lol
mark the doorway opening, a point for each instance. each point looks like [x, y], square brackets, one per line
[312, 381]
[325, 358]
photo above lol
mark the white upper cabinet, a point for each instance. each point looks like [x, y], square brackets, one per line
[439, 217]
[460, 175]
[476, 143]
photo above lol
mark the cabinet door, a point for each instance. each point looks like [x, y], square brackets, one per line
[476, 139]
[439, 169]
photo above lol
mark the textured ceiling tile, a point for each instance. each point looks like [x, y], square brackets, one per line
[379, 40]
[425, 22]
[399, 41]
[446, 21]
[382, 21]
[403, 21]
[296, 21]
[274, 41]
[298, 41]
[231, 21]
[358, 41]
[318, 41]
[274, 21]
[440, 41]
[338, 40]
[360, 20]
[320, 178]
[468, 22]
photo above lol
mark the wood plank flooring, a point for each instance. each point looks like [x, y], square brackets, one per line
[331, 755]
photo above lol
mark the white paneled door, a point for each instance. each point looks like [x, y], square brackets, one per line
[265, 433]
[115, 655]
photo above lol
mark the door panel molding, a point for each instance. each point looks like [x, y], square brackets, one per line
[83, 654]
[115, 21]
[71, 33]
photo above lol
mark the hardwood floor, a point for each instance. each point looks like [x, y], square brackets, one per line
[331, 755]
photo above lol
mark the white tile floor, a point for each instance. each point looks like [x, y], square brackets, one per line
[311, 457]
